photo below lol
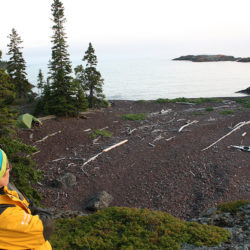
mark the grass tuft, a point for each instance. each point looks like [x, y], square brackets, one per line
[244, 101]
[209, 109]
[99, 132]
[227, 112]
[134, 117]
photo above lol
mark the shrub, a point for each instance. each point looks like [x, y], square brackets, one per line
[131, 228]
[232, 206]
[134, 117]
[99, 132]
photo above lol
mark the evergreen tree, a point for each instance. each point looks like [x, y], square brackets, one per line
[40, 81]
[23, 172]
[93, 81]
[16, 66]
[63, 90]
[7, 96]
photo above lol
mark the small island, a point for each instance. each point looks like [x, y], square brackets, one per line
[211, 58]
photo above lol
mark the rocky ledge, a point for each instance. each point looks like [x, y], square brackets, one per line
[211, 58]
[237, 223]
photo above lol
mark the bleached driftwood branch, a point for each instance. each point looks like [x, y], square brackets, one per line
[158, 138]
[46, 137]
[169, 139]
[181, 128]
[114, 146]
[104, 151]
[131, 131]
[91, 159]
[236, 127]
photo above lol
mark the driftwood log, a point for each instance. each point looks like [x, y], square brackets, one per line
[236, 127]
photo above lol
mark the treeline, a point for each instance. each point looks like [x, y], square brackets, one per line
[61, 93]
[19, 154]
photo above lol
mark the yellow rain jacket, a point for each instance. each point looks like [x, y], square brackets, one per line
[19, 229]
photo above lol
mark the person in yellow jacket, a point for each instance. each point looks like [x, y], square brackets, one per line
[22, 226]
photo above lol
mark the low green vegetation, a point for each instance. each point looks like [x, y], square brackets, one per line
[209, 109]
[100, 132]
[198, 113]
[227, 112]
[188, 100]
[141, 101]
[244, 101]
[232, 206]
[131, 228]
[135, 117]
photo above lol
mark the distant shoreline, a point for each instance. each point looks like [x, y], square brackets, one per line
[211, 58]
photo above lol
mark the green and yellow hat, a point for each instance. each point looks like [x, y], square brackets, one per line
[3, 163]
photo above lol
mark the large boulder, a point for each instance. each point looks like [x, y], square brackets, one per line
[100, 201]
[66, 181]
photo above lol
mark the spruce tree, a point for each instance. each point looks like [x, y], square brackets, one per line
[40, 81]
[7, 95]
[63, 91]
[23, 173]
[93, 80]
[16, 66]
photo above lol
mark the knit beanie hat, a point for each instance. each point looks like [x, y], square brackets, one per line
[3, 163]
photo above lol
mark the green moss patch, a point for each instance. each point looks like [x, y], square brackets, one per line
[130, 228]
[135, 117]
[232, 206]
[100, 132]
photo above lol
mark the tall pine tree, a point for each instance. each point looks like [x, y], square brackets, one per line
[93, 80]
[40, 81]
[64, 95]
[16, 66]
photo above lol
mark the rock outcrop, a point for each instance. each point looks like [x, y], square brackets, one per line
[238, 223]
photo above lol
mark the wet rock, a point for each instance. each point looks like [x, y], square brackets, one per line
[65, 181]
[100, 201]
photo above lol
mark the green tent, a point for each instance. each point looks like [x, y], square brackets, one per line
[25, 121]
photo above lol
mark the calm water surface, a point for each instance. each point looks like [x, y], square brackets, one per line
[135, 78]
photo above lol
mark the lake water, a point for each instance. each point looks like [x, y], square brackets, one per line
[152, 77]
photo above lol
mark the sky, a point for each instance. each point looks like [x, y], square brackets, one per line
[171, 26]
